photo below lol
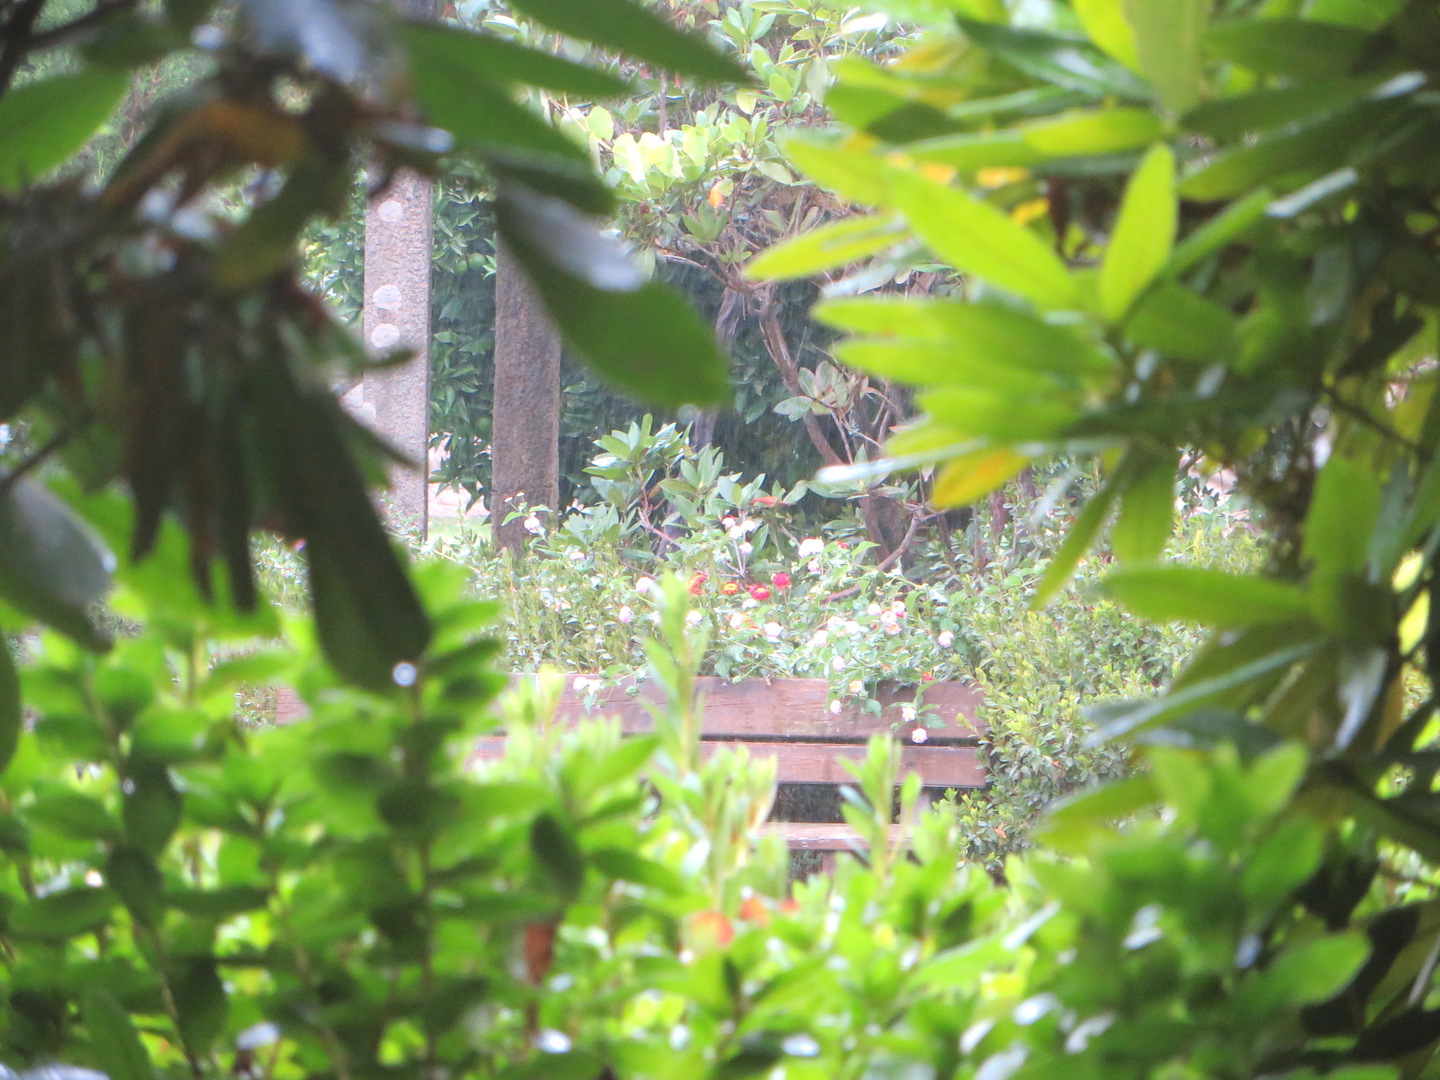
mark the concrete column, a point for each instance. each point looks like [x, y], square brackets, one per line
[397, 315]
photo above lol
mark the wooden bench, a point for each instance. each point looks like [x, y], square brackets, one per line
[790, 721]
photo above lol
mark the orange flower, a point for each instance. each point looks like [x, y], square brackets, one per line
[730, 588]
[698, 582]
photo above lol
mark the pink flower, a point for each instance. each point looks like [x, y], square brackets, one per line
[781, 581]
[759, 592]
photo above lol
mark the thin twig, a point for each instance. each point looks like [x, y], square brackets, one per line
[8, 482]
[18, 36]
[889, 560]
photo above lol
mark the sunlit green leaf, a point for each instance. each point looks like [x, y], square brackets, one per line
[976, 238]
[1207, 597]
[1168, 34]
[1147, 512]
[825, 248]
[1144, 233]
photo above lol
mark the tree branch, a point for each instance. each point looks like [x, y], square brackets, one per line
[18, 36]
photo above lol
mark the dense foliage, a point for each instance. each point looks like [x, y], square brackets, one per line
[1181, 228]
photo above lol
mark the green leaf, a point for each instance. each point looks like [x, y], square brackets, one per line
[641, 337]
[558, 856]
[506, 61]
[52, 567]
[66, 914]
[976, 474]
[829, 246]
[42, 124]
[1104, 21]
[1318, 147]
[1144, 233]
[1073, 134]
[623, 864]
[1309, 972]
[1077, 542]
[968, 413]
[637, 32]
[1291, 48]
[72, 814]
[1181, 324]
[112, 1034]
[458, 94]
[152, 807]
[845, 168]
[1071, 823]
[367, 613]
[978, 239]
[952, 343]
[1055, 60]
[201, 1004]
[1147, 512]
[1223, 229]
[137, 880]
[1207, 597]
[1168, 34]
[12, 719]
[1344, 510]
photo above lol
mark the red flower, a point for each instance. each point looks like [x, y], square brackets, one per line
[759, 592]
[781, 581]
[765, 500]
[730, 588]
[928, 676]
[698, 582]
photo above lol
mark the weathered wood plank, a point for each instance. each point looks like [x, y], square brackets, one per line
[820, 763]
[791, 708]
[812, 836]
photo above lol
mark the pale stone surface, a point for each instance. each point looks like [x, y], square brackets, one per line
[397, 264]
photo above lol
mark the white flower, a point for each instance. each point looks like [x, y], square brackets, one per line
[919, 735]
[576, 556]
[819, 638]
[898, 607]
[746, 548]
[907, 713]
[692, 618]
[813, 566]
[888, 618]
[644, 584]
[749, 602]
[873, 610]
[892, 628]
[532, 525]
[835, 623]
[625, 614]
[811, 546]
[852, 627]
[837, 663]
[735, 532]
[946, 639]
[835, 707]
[856, 686]
[750, 525]
[773, 630]
[736, 620]
[584, 682]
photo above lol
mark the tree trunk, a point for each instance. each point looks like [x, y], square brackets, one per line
[525, 431]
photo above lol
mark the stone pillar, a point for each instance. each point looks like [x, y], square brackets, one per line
[525, 427]
[397, 315]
